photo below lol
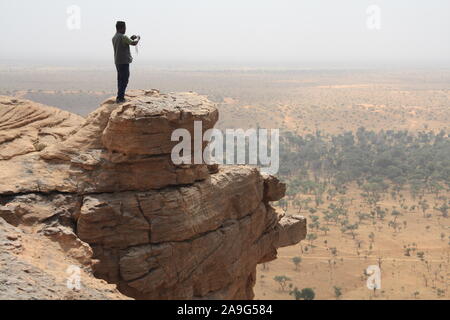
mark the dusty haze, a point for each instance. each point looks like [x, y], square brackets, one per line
[280, 33]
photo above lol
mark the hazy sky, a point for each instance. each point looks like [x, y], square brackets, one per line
[279, 31]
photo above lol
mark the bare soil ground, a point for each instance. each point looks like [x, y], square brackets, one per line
[401, 276]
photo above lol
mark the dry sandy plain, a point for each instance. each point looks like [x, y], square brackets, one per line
[401, 276]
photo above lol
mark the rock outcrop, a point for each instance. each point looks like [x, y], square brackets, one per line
[33, 266]
[105, 190]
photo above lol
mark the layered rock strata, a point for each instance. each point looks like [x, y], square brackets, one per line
[105, 189]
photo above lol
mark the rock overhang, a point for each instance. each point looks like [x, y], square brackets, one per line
[157, 230]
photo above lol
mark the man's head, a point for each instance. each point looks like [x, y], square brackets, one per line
[121, 27]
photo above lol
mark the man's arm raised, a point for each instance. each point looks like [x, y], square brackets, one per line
[132, 42]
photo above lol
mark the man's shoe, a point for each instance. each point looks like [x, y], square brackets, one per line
[120, 100]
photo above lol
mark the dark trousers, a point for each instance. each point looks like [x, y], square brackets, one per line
[123, 74]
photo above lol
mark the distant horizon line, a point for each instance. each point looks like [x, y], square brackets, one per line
[225, 65]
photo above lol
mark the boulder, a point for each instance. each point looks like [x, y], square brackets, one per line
[107, 193]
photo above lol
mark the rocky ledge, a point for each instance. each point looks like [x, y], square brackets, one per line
[105, 191]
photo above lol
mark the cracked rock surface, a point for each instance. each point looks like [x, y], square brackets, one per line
[105, 193]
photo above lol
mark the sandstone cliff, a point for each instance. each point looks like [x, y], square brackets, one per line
[105, 192]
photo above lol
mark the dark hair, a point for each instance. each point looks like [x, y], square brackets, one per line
[120, 25]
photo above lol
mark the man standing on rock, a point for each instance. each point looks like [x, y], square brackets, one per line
[122, 58]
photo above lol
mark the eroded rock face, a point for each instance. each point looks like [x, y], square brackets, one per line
[34, 267]
[26, 126]
[108, 193]
[188, 242]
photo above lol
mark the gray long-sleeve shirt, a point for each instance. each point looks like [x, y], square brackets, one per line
[121, 44]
